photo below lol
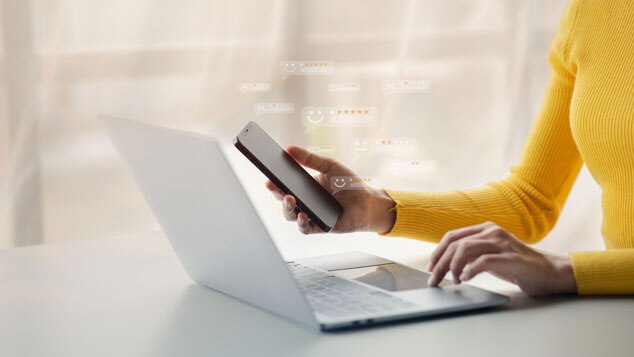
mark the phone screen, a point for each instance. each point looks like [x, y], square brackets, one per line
[268, 156]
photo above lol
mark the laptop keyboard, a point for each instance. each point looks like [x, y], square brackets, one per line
[334, 296]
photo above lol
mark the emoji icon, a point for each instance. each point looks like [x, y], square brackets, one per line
[339, 182]
[289, 67]
[315, 116]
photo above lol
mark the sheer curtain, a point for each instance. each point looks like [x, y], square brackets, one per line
[206, 65]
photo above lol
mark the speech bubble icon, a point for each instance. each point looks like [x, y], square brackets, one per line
[306, 68]
[394, 86]
[254, 87]
[313, 118]
[273, 108]
[344, 88]
[344, 183]
[342, 116]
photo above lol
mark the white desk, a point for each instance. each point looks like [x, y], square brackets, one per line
[128, 296]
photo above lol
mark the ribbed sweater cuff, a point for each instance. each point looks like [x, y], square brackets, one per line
[412, 220]
[608, 272]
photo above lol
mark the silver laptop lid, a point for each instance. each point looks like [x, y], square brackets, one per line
[207, 217]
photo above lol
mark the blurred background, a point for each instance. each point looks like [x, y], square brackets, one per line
[453, 86]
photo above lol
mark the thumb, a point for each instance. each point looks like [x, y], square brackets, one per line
[309, 159]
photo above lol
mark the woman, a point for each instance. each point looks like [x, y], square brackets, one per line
[587, 116]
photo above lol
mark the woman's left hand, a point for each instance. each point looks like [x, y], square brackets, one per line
[468, 251]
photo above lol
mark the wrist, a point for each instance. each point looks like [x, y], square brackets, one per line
[564, 271]
[381, 216]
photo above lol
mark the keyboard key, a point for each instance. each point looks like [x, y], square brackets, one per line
[333, 296]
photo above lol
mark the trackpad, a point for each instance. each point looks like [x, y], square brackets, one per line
[390, 277]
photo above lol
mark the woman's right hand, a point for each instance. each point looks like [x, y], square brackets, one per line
[364, 209]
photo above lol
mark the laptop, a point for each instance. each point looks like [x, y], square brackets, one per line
[223, 245]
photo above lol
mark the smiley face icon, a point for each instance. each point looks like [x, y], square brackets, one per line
[315, 116]
[289, 67]
[338, 183]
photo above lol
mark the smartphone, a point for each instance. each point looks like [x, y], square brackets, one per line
[290, 177]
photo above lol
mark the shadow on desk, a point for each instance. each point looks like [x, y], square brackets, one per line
[207, 323]
[204, 319]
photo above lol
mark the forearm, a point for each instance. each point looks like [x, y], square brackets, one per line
[511, 203]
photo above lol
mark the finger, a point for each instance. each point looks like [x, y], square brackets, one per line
[442, 267]
[469, 250]
[494, 263]
[274, 190]
[309, 159]
[305, 225]
[289, 208]
[449, 238]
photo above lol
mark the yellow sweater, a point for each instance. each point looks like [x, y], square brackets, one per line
[587, 116]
